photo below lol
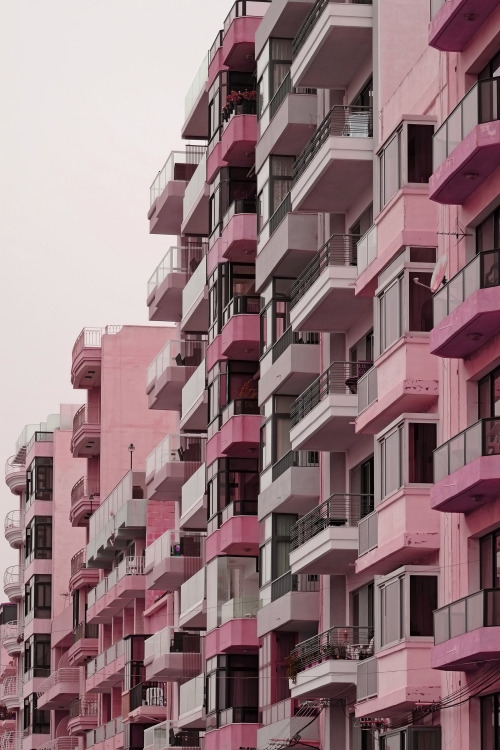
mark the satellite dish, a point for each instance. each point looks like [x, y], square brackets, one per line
[438, 275]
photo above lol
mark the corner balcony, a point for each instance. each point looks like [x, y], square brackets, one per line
[167, 191]
[86, 439]
[238, 35]
[170, 370]
[333, 42]
[168, 735]
[293, 363]
[125, 583]
[86, 359]
[288, 245]
[12, 637]
[454, 22]
[13, 582]
[326, 539]
[15, 475]
[235, 432]
[194, 402]
[293, 599]
[173, 655]
[193, 609]
[467, 145]
[172, 463]
[336, 165]
[85, 499]
[196, 104]
[11, 693]
[145, 702]
[194, 502]
[295, 485]
[467, 468]
[322, 418]
[322, 298]
[324, 665]
[85, 644]
[192, 703]
[14, 528]
[233, 530]
[173, 558]
[58, 690]
[240, 334]
[81, 576]
[82, 715]
[239, 231]
[467, 632]
[168, 280]
[467, 308]
[195, 301]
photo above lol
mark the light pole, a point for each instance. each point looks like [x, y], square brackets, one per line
[131, 449]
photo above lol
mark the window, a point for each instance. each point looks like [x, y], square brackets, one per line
[39, 539]
[35, 721]
[362, 607]
[488, 232]
[37, 597]
[412, 738]
[406, 158]
[406, 604]
[37, 656]
[231, 381]
[275, 550]
[39, 480]
[490, 722]
[275, 432]
[232, 690]
[274, 182]
[228, 282]
[232, 489]
[404, 306]
[272, 67]
[489, 553]
[231, 184]
[275, 315]
[489, 395]
[224, 84]
[405, 455]
[232, 589]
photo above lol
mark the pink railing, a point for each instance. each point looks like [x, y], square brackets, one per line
[69, 674]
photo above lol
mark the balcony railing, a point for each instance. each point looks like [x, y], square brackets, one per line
[104, 732]
[283, 209]
[367, 679]
[175, 543]
[193, 591]
[292, 337]
[338, 510]
[78, 562]
[10, 686]
[480, 439]
[340, 378]
[169, 641]
[84, 630]
[14, 520]
[236, 508]
[481, 104]
[196, 87]
[343, 121]
[245, 8]
[148, 694]
[176, 260]
[295, 458]
[367, 248]
[293, 582]
[40, 437]
[367, 389]
[174, 448]
[242, 206]
[84, 488]
[310, 21]
[130, 566]
[480, 610]
[90, 338]
[188, 353]
[340, 250]
[340, 642]
[13, 575]
[238, 407]
[180, 165]
[107, 657]
[367, 533]
[241, 305]
[11, 741]
[61, 743]
[482, 272]
[166, 735]
[86, 415]
[82, 707]
[12, 629]
[66, 674]
[12, 465]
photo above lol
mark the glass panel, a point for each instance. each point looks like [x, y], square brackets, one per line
[423, 601]
[457, 618]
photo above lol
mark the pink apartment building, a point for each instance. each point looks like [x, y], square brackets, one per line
[287, 500]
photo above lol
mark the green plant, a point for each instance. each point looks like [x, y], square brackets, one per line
[293, 667]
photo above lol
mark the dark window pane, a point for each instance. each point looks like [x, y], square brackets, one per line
[423, 601]
[420, 152]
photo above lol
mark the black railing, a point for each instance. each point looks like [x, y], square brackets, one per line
[148, 694]
[341, 121]
[240, 406]
[339, 250]
[295, 458]
[283, 209]
[340, 378]
[293, 582]
[480, 439]
[184, 738]
[185, 643]
[78, 562]
[292, 337]
[280, 95]
[84, 630]
[338, 510]
[310, 21]
[82, 707]
[479, 610]
[340, 642]
[241, 305]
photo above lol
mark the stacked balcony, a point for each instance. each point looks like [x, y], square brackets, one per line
[110, 733]
[293, 362]
[168, 188]
[59, 689]
[240, 334]
[82, 715]
[292, 599]
[10, 692]
[81, 575]
[85, 644]
[170, 371]
[239, 231]
[467, 145]
[145, 702]
[192, 703]
[194, 502]
[172, 463]
[455, 22]
[168, 734]
[13, 582]
[168, 280]
[108, 668]
[15, 475]
[235, 432]
[290, 246]
[193, 610]
[14, 528]
[194, 399]
[294, 487]
[85, 499]
[172, 559]
[195, 301]
[237, 38]
[111, 595]
[86, 359]
[12, 637]
[173, 655]
[86, 439]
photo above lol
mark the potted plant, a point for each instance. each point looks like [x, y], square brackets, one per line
[293, 667]
[20, 638]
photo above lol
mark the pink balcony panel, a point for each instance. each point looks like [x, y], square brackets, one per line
[238, 436]
[300, 608]
[231, 736]
[464, 490]
[238, 141]
[295, 489]
[84, 721]
[240, 337]
[238, 44]
[82, 651]
[469, 326]
[456, 22]
[86, 439]
[214, 161]
[171, 571]
[86, 362]
[58, 690]
[232, 636]
[331, 552]
[239, 535]
[470, 163]
[468, 650]
[328, 425]
[239, 238]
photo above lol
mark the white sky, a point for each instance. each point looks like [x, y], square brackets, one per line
[92, 102]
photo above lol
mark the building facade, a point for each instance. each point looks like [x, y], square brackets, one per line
[286, 498]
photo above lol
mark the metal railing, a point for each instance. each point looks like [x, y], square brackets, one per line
[294, 458]
[367, 389]
[189, 449]
[151, 693]
[61, 743]
[241, 206]
[66, 674]
[282, 92]
[187, 353]
[12, 465]
[196, 87]
[13, 575]
[367, 248]
[82, 707]
[293, 582]
[14, 520]
[480, 105]
[130, 566]
[248, 304]
[340, 642]
[367, 679]
[10, 686]
[310, 21]
[245, 8]
[78, 562]
[180, 165]
[338, 510]
[90, 338]
[479, 610]
[283, 209]
[367, 533]
[84, 630]
[40, 437]
[480, 439]
[482, 272]
[12, 629]
[11, 741]
[177, 260]
[175, 543]
[340, 378]
[341, 120]
[84, 488]
[86, 415]
[292, 337]
[339, 250]
[241, 507]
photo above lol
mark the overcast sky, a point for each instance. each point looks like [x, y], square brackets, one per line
[92, 101]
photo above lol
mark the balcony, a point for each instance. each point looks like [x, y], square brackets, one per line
[194, 402]
[322, 298]
[240, 334]
[293, 599]
[195, 207]
[238, 138]
[81, 576]
[467, 468]
[172, 559]
[145, 702]
[454, 22]
[86, 358]
[11, 692]
[167, 191]
[286, 720]
[12, 637]
[173, 655]
[59, 689]
[238, 36]
[294, 485]
[13, 582]
[237, 631]
[108, 668]
[82, 715]
[288, 244]
[85, 644]
[322, 417]
[293, 363]
[235, 432]
[15, 475]
[14, 528]
[111, 733]
[467, 632]
[327, 663]
[326, 539]
[61, 743]
[172, 463]
[170, 371]
[336, 165]
[196, 104]
[168, 280]
[467, 308]
[195, 301]
[467, 145]
[168, 735]
[234, 529]
[125, 583]
[332, 44]
[86, 439]
[194, 502]
[192, 703]
[193, 609]
[85, 499]
[239, 231]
